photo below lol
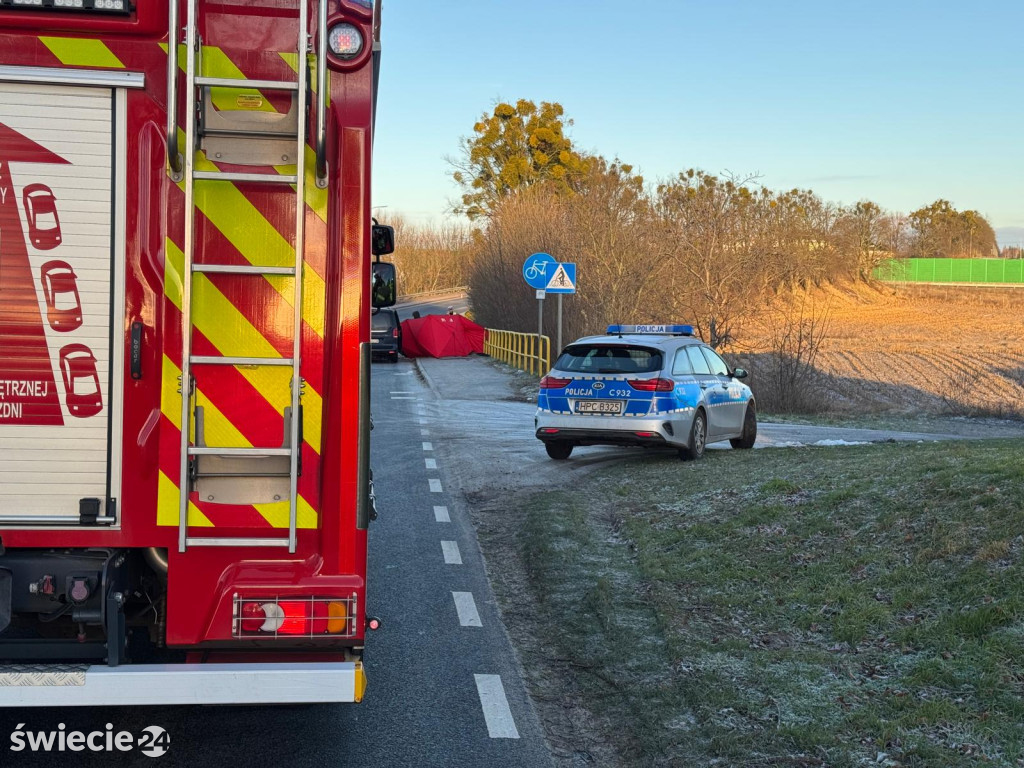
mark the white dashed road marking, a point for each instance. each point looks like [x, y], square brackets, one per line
[452, 556]
[435, 485]
[428, 446]
[402, 392]
[494, 703]
[424, 432]
[431, 463]
[441, 515]
[423, 421]
[403, 397]
[466, 608]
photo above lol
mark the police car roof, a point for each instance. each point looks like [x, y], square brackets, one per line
[639, 339]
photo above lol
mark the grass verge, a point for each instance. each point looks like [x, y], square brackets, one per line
[806, 607]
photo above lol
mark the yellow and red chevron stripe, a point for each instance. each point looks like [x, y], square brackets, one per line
[248, 316]
[233, 315]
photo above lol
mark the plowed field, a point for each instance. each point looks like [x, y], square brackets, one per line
[925, 349]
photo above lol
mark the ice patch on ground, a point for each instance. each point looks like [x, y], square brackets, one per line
[819, 443]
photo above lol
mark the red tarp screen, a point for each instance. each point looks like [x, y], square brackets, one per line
[441, 336]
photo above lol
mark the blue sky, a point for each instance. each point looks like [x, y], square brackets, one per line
[898, 102]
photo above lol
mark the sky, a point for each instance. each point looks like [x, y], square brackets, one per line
[897, 102]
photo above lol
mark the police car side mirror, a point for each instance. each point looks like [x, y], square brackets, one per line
[739, 373]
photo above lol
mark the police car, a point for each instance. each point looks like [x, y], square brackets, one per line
[647, 385]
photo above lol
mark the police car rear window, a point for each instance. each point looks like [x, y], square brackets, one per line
[606, 358]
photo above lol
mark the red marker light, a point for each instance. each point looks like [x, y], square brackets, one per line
[253, 617]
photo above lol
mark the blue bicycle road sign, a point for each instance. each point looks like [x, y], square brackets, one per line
[538, 269]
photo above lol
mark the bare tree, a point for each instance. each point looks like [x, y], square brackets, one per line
[431, 256]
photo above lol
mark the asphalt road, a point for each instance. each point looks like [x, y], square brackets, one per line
[433, 305]
[445, 688]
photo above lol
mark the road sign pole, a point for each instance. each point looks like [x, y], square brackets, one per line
[558, 350]
[540, 316]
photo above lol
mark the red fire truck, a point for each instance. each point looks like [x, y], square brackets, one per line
[185, 293]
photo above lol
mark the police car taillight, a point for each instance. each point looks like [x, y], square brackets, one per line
[552, 382]
[652, 385]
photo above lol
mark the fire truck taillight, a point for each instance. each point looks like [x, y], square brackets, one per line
[303, 617]
[345, 40]
[115, 6]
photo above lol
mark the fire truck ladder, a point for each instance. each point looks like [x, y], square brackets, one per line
[235, 474]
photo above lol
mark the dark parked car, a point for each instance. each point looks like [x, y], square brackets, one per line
[386, 333]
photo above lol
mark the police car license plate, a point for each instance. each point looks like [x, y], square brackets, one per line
[599, 406]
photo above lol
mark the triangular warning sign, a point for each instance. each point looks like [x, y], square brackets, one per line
[560, 279]
[28, 394]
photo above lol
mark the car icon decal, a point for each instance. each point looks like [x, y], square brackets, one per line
[41, 212]
[60, 289]
[83, 396]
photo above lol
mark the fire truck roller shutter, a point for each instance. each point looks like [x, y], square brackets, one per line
[61, 300]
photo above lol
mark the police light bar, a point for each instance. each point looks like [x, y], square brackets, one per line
[665, 330]
[101, 6]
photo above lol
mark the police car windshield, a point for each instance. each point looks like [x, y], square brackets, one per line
[608, 358]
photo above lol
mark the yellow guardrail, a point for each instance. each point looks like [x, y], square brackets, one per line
[525, 351]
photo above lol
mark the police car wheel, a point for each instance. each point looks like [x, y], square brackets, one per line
[558, 449]
[749, 436]
[698, 438]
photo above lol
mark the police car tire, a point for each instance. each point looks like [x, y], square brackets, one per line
[559, 450]
[690, 453]
[749, 436]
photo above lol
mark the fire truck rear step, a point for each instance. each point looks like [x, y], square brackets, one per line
[247, 136]
[268, 137]
[241, 475]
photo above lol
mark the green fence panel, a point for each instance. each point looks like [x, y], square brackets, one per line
[999, 271]
[960, 271]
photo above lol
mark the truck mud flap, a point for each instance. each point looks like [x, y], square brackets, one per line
[5, 598]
